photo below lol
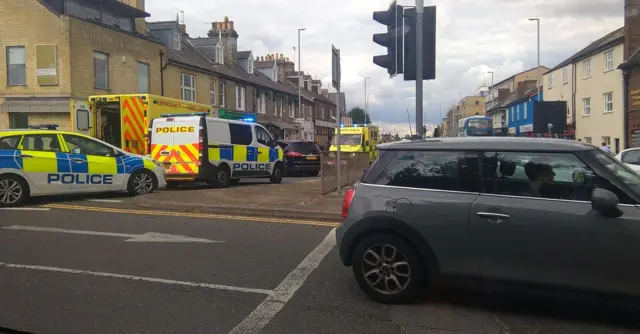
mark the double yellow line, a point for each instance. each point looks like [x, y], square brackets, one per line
[189, 215]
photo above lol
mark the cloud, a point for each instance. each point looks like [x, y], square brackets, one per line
[473, 37]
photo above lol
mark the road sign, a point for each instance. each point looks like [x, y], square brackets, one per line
[335, 67]
[145, 237]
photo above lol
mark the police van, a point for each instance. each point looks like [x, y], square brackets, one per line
[45, 161]
[194, 147]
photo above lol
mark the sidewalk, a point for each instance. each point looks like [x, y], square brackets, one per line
[297, 200]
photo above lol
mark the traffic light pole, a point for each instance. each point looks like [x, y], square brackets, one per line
[419, 64]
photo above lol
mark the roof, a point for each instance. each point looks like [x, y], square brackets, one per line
[243, 54]
[614, 37]
[264, 64]
[499, 83]
[204, 41]
[490, 144]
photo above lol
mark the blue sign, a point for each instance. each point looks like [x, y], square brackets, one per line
[247, 166]
[68, 178]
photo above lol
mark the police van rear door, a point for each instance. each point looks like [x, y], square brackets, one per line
[161, 141]
[175, 143]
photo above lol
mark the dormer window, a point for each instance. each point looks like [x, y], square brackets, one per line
[250, 65]
[219, 54]
[177, 45]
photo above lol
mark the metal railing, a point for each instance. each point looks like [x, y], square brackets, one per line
[353, 167]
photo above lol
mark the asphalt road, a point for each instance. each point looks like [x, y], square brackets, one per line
[94, 267]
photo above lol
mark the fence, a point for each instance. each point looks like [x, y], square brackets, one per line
[353, 166]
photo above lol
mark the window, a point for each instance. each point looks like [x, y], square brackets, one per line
[608, 60]
[18, 120]
[631, 157]
[587, 140]
[188, 87]
[8, 143]
[518, 113]
[291, 110]
[16, 66]
[177, 43]
[280, 106]
[240, 94]
[565, 75]
[525, 110]
[212, 92]
[46, 143]
[143, 78]
[541, 175]
[82, 145]
[455, 171]
[606, 140]
[550, 77]
[250, 65]
[240, 134]
[586, 104]
[100, 70]
[513, 112]
[586, 69]
[221, 91]
[218, 132]
[262, 104]
[262, 136]
[608, 102]
[219, 54]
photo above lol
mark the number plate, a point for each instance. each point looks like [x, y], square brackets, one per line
[312, 158]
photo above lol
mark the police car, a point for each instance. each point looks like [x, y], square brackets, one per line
[45, 161]
[194, 147]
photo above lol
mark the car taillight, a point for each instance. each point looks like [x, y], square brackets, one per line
[346, 202]
[293, 154]
[200, 145]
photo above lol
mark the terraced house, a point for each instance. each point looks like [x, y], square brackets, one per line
[77, 48]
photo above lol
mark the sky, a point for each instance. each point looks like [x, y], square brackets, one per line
[472, 38]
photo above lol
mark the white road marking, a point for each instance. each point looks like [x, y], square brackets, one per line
[266, 311]
[146, 237]
[25, 209]
[105, 200]
[138, 278]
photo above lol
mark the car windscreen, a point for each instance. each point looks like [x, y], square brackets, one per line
[353, 139]
[624, 174]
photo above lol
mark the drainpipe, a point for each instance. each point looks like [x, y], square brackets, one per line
[162, 67]
[573, 99]
[625, 120]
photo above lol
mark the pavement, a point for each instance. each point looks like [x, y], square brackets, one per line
[103, 265]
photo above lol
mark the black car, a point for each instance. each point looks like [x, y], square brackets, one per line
[301, 157]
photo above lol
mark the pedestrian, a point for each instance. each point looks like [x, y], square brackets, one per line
[605, 148]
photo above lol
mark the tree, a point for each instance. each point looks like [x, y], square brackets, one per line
[436, 132]
[357, 115]
[396, 137]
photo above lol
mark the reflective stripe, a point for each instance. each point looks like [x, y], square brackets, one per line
[41, 162]
[239, 153]
[263, 155]
[102, 165]
[10, 159]
[64, 165]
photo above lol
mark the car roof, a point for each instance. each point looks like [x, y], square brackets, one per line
[290, 141]
[489, 143]
[18, 132]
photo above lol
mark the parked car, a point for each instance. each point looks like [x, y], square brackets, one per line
[301, 157]
[631, 158]
[547, 212]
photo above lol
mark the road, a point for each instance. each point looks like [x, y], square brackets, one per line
[101, 266]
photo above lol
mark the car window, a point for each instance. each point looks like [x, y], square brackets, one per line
[240, 134]
[262, 136]
[9, 143]
[622, 172]
[82, 145]
[631, 157]
[44, 142]
[456, 171]
[283, 145]
[542, 175]
[304, 147]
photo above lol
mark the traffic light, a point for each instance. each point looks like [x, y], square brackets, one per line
[392, 39]
[428, 44]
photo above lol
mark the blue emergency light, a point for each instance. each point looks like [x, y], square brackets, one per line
[249, 119]
[44, 126]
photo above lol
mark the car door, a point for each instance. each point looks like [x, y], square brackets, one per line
[44, 163]
[242, 140]
[94, 165]
[534, 223]
[266, 155]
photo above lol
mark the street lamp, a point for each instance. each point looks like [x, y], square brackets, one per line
[539, 78]
[366, 100]
[367, 114]
[300, 112]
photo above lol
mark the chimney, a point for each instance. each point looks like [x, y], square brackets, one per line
[229, 38]
[631, 27]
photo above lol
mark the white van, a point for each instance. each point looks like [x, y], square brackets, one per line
[218, 151]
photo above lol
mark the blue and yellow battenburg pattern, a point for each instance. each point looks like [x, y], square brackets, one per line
[56, 162]
[244, 153]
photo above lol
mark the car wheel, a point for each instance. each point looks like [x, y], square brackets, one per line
[141, 183]
[234, 182]
[13, 191]
[276, 176]
[389, 270]
[222, 177]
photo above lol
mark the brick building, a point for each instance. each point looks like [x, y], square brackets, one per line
[631, 73]
[76, 49]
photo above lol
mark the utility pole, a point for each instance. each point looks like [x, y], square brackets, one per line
[419, 63]
[538, 69]
[366, 101]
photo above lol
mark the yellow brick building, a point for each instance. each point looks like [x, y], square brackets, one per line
[70, 54]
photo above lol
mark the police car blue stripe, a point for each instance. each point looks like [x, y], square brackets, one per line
[78, 167]
[132, 164]
[63, 163]
[226, 153]
[10, 159]
[120, 165]
[252, 153]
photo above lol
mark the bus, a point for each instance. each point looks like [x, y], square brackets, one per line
[475, 126]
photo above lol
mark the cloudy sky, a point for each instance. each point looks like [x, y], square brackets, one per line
[473, 37]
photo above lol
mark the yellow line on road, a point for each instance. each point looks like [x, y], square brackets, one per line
[189, 215]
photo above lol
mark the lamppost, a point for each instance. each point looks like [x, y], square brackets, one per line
[539, 78]
[367, 116]
[300, 112]
[366, 101]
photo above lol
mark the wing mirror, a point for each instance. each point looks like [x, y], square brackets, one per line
[605, 202]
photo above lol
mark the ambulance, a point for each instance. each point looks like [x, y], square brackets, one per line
[363, 138]
[194, 147]
[123, 120]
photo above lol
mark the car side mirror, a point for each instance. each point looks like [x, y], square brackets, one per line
[605, 202]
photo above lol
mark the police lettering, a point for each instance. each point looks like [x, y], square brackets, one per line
[174, 129]
[79, 178]
[247, 166]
